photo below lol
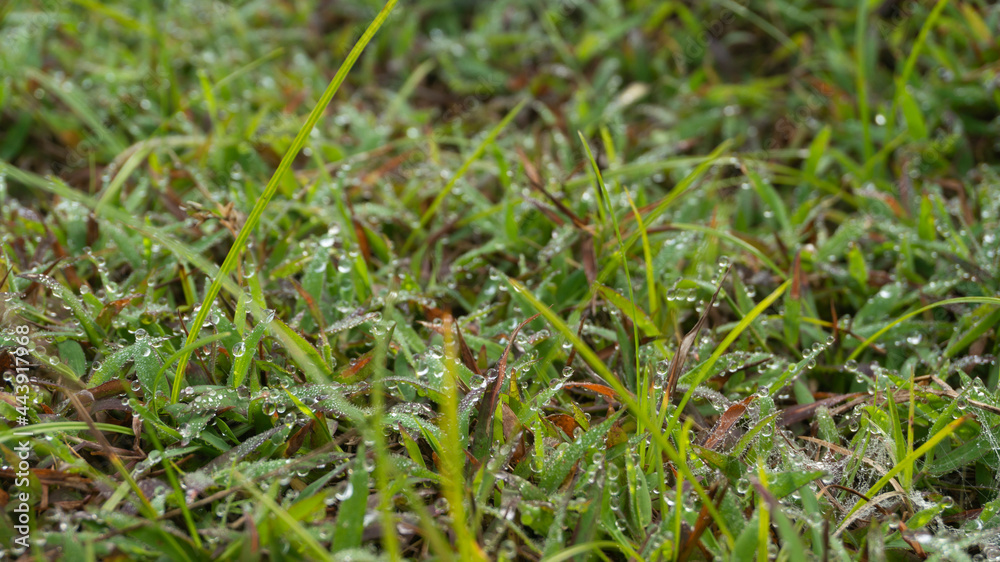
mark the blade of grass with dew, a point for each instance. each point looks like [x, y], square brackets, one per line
[977, 300]
[58, 428]
[721, 348]
[272, 186]
[909, 460]
[895, 426]
[309, 361]
[985, 324]
[637, 315]
[241, 366]
[764, 530]
[606, 201]
[769, 196]
[452, 474]
[321, 427]
[908, 470]
[94, 333]
[350, 522]
[187, 349]
[390, 542]
[281, 514]
[624, 396]
[363, 277]
[911, 60]
[302, 353]
[432, 209]
[861, 78]
[735, 240]
[662, 206]
[683, 444]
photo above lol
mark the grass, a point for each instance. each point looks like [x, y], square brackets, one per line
[509, 281]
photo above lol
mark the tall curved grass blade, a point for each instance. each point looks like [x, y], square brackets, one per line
[272, 186]
[907, 316]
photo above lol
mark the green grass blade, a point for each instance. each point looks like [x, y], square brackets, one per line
[772, 200]
[909, 460]
[602, 370]
[453, 457]
[476, 154]
[721, 348]
[978, 300]
[351, 512]
[293, 525]
[861, 78]
[272, 186]
[57, 428]
[911, 59]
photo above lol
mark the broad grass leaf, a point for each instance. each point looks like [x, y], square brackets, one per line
[639, 316]
[353, 498]
[242, 362]
[559, 463]
[782, 484]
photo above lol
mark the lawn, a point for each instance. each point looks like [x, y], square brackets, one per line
[508, 280]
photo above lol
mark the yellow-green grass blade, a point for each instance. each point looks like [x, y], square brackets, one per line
[293, 525]
[678, 190]
[734, 240]
[911, 59]
[272, 186]
[606, 200]
[436, 204]
[582, 548]
[909, 460]
[721, 348]
[977, 300]
[57, 428]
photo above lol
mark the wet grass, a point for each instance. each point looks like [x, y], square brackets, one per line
[566, 280]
